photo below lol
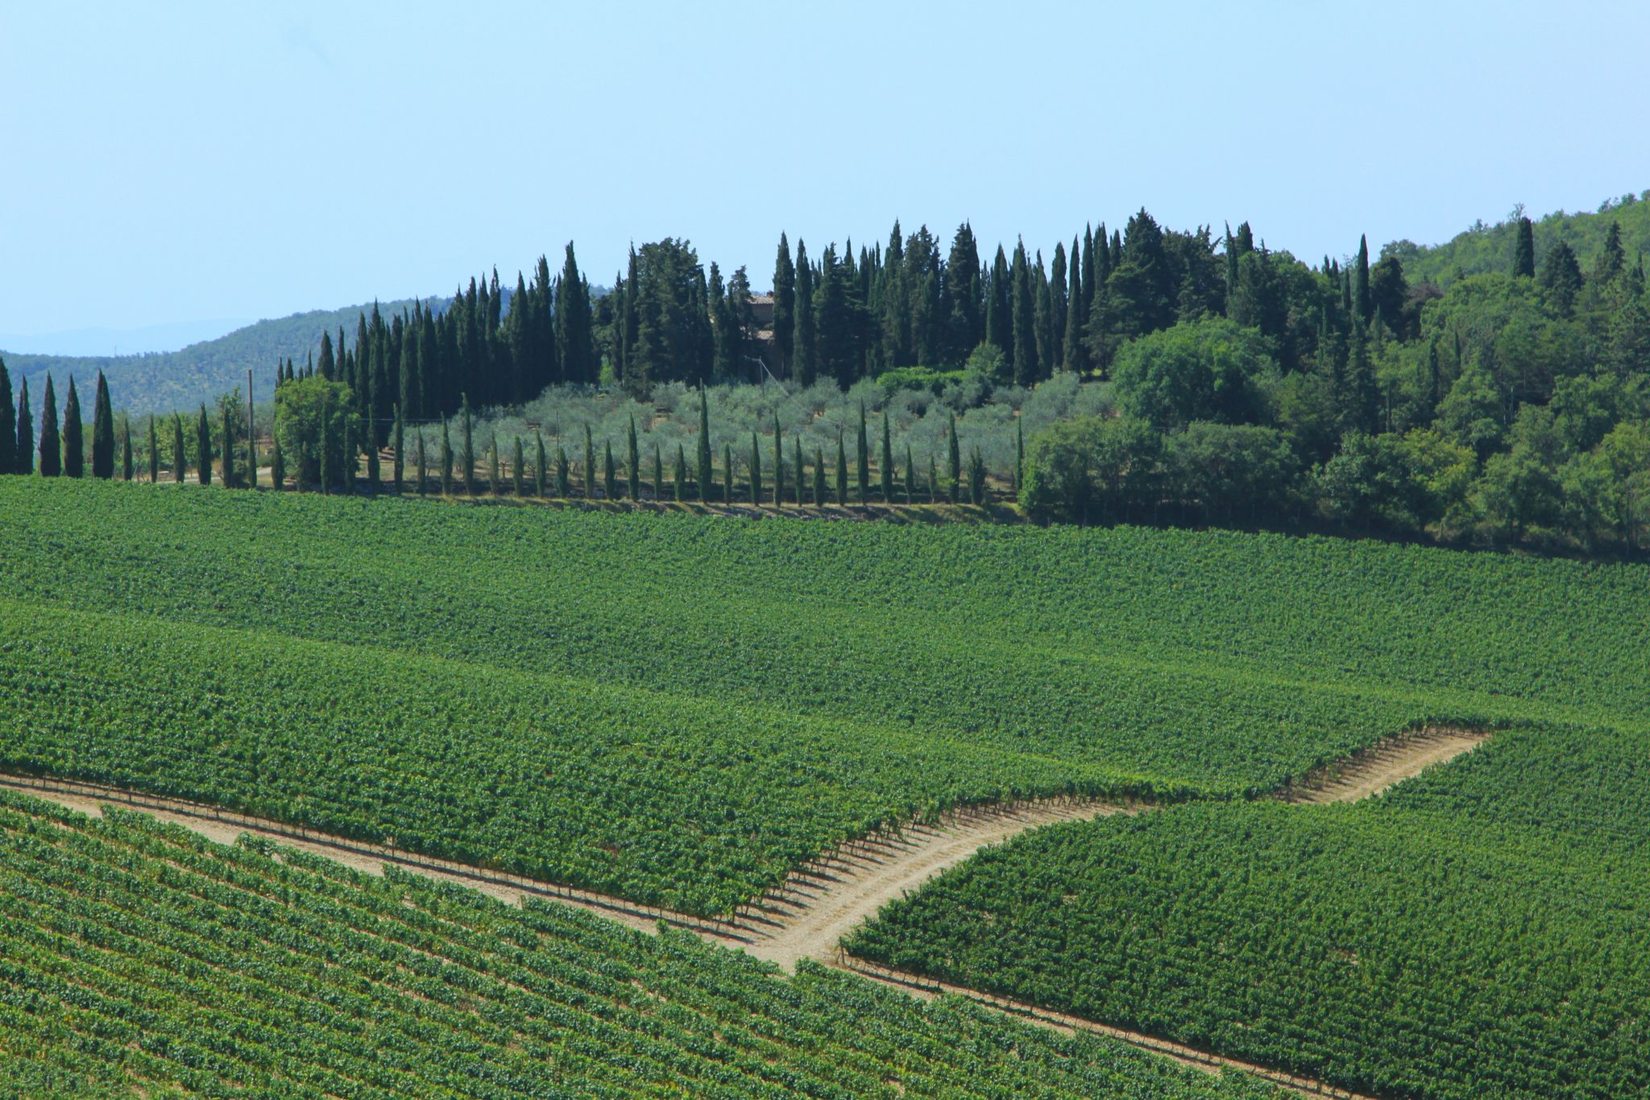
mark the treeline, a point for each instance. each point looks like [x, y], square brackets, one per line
[63, 450]
[1513, 407]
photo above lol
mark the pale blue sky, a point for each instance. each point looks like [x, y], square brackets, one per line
[184, 162]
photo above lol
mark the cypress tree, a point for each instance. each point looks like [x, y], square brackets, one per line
[681, 474]
[399, 438]
[103, 431]
[610, 475]
[277, 465]
[910, 472]
[784, 304]
[203, 447]
[347, 451]
[658, 473]
[375, 472]
[1361, 301]
[154, 452]
[494, 484]
[74, 444]
[326, 472]
[589, 464]
[564, 486]
[1019, 453]
[179, 460]
[467, 457]
[51, 447]
[516, 463]
[229, 480]
[633, 461]
[252, 453]
[802, 343]
[422, 459]
[778, 465]
[887, 470]
[541, 476]
[819, 477]
[863, 457]
[1524, 250]
[8, 424]
[756, 471]
[446, 459]
[955, 459]
[23, 456]
[841, 473]
[796, 463]
[704, 447]
[126, 450]
[976, 477]
[727, 473]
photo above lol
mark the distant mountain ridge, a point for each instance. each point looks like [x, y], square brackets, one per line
[174, 380]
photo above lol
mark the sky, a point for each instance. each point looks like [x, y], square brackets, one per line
[179, 166]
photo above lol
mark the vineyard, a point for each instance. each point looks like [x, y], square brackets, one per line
[681, 710]
[1449, 940]
[139, 958]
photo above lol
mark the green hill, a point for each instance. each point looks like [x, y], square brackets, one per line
[164, 381]
[1490, 247]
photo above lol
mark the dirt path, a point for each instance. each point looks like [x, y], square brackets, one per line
[819, 907]
[826, 899]
[1383, 765]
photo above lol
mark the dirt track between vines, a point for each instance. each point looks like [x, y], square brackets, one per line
[831, 895]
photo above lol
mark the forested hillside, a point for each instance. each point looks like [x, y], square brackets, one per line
[167, 381]
[1485, 248]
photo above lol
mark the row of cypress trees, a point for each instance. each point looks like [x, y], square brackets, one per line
[61, 447]
[789, 480]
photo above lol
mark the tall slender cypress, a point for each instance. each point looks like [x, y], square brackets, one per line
[610, 475]
[229, 481]
[517, 461]
[8, 424]
[681, 474]
[23, 456]
[778, 465]
[658, 473]
[589, 464]
[887, 461]
[704, 447]
[252, 451]
[423, 465]
[819, 477]
[277, 464]
[74, 443]
[179, 459]
[863, 458]
[494, 484]
[51, 447]
[954, 457]
[103, 431]
[126, 449]
[841, 472]
[756, 471]
[467, 457]
[399, 469]
[727, 473]
[1524, 250]
[633, 461]
[541, 476]
[564, 479]
[203, 447]
[446, 459]
[154, 452]
[799, 472]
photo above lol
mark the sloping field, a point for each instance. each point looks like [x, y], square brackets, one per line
[1476, 931]
[137, 958]
[679, 710]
